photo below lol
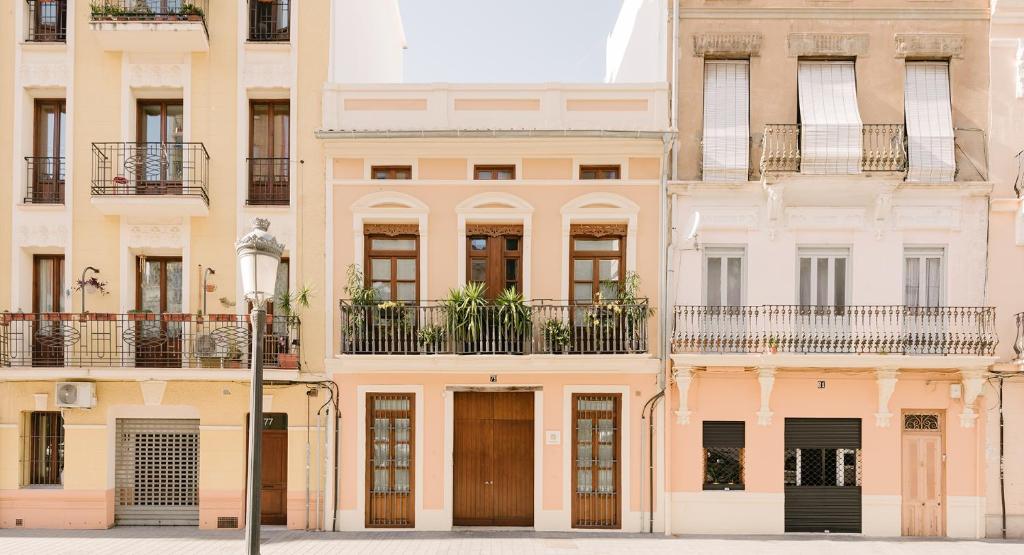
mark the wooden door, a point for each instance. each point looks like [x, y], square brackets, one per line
[493, 459]
[157, 336]
[596, 444]
[390, 460]
[274, 492]
[923, 475]
[159, 160]
[48, 331]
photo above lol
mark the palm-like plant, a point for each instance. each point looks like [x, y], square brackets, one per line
[513, 314]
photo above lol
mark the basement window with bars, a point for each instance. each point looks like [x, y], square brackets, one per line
[823, 467]
[44, 449]
[724, 442]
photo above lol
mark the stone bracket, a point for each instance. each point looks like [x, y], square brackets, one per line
[683, 378]
[973, 380]
[886, 379]
[766, 379]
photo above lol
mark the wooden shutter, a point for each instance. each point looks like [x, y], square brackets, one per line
[929, 122]
[831, 140]
[726, 152]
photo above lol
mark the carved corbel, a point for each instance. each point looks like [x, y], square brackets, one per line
[683, 378]
[886, 379]
[973, 380]
[766, 379]
[776, 209]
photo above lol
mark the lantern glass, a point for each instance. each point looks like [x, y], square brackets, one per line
[259, 275]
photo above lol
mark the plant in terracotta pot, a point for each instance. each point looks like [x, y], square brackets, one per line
[289, 303]
[514, 319]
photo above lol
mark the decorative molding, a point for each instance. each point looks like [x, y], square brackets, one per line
[266, 75]
[827, 44]
[927, 217]
[973, 379]
[683, 378]
[494, 230]
[156, 75]
[776, 208]
[886, 379]
[153, 392]
[38, 75]
[391, 230]
[43, 235]
[824, 218]
[727, 217]
[727, 44]
[765, 379]
[156, 236]
[929, 45]
[598, 230]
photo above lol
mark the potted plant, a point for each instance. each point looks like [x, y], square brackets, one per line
[191, 12]
[234, 355]
[430, 338]
[463, 309]
[514, 319]
[289, 303]
[557, 335]
[355, 312]
[773, 345]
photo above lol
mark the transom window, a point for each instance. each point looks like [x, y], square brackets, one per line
[392, 261]
[495, 257]
[598, 263]
[391, 172]
[494, 172]
[600, 172]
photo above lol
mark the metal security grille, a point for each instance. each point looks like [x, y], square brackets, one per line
[822, 475]
[921, 421]
[723, 454]
[596, 476]
[390, 461]
[44, 464]
[157, 472]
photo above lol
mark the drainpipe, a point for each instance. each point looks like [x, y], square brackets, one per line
[1002, 465]
[674, 108]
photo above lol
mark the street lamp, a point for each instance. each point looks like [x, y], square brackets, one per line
[258, 254]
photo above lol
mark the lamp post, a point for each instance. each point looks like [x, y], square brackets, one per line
[258, 254]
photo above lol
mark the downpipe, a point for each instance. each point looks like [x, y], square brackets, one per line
[647, 413]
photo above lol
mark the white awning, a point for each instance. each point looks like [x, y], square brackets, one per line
[726, 150]
[831, 131]
[929, 122]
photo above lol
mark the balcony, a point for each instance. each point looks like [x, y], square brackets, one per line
[861, 330]
[885, 148]
[47, 21]
[45, 180]
[269, 20]
[169, 179]
[268, 181]
[151, 25]
[142, 340]
[544, 328]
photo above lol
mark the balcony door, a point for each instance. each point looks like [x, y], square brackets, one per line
[596, 271]
[923, 294]
[47, 304]
[268, 152]
[822, 322]
[158, 159]
[725, 325]
[495, 257]
[157, 335]
[46, 166]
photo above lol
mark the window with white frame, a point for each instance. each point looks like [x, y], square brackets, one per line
[724, 276]
[824, 276]
[929, 122]
[831, 131]
[726, 143]
[922, 276]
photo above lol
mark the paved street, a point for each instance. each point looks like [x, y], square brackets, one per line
[189, 541]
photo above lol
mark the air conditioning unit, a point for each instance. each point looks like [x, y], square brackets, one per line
[81, 395]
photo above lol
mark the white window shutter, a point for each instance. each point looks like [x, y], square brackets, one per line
[831, 132]
[929, 123]
[726, 151]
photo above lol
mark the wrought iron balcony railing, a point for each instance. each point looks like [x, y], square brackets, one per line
[268, 181]
[148, 169]
[269, 20]
[541, 327]
[45, 180]
[143, 340]
[1018, 343]
[150, 10]
[885, 148]
[835, 329]
[47, 21]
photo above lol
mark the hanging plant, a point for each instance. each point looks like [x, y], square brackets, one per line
[91, 285]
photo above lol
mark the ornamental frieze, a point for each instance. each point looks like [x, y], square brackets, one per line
[494, 230]
[929, 45]
[727, 44]
[391, 230]
[827, 44]
[598, 230]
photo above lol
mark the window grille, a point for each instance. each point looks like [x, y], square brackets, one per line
[44, 463]
[596, 479]
[823, 467]
[919, 421]
[724, 443]
[390, 460]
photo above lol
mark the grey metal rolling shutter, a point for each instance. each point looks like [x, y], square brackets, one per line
[721, 433]
[817, 505]
[156, 472]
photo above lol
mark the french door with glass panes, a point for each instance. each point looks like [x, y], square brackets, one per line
[821, 323]
[923, 293]
[392, 260]
[47, 170]
[390, 460]
[47, 302]
[596, 274]
[494, 258]
[596, 478]
[157, 330]
[269, 152]
[159, 158]
[724, 324]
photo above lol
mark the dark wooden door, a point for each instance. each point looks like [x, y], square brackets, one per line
[48, 331]
[158, 332]
[274, 495]
[493, 459]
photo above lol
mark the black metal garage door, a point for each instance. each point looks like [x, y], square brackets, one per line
[823, 475]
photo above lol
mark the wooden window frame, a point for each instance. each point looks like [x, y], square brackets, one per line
[584, 232]
[55, 442]
[392, 172]
[274, 168]
[369, 234]
[617, 453]
[494, 169]
[164, 103]
[272, 106]
[140, 262]
[496, 254]
[368, 485]
[601, 171]
[52, 152]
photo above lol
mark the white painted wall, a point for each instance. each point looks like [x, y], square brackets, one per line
[637, 47]
[367, 42]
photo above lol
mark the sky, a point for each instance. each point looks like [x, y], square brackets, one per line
[506, 41]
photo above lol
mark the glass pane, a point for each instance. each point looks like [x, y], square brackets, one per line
[381, 480]
[584, 455]
[406, 292]
[393, 244]
[714, 281]
[260, 131]
[840, 286]
[584, 430]
[583, 270]
[175, 123]
[47, 296]
[401, 480]
[583, 481]
[512, 270]
[512, 243]
[150, 286]
[609, 270]
[402, 430]
[478, 270]
[46, 131]
[605, 431]
[805, 281]
[596, 244]
[151, 124]
[605, 481]
[609, 290]
[583, 292]
[280, 132]
[734, 285]
[484, 174]
[822, 284]
[406, 268]
[934, 279]
[478, 244]
[380, 429]
[383, 289]
[380, 269]
[912, 279]
[174, 286]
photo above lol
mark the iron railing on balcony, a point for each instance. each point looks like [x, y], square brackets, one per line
[143, 340]
[121, 169]
[884, 144]
[269, 20]
[1018, 343]
[150, 10]
[835, 329]
[45, 180]
[268, 181]
[543, 327]
[1018, 183]
[47, 21]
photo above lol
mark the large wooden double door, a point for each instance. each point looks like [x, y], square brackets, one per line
[493, 459]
